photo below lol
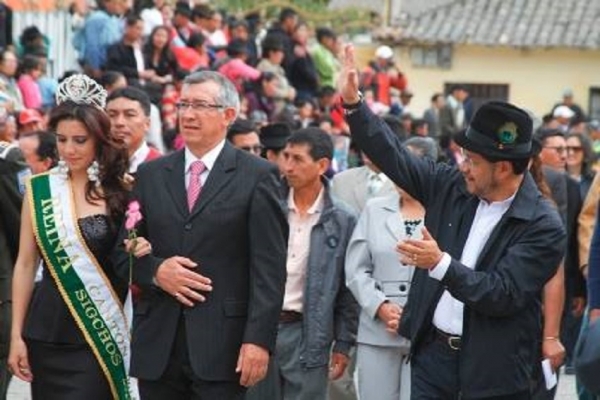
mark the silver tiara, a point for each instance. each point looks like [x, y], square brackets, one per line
[80, 89]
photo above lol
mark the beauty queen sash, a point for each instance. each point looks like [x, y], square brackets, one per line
[82, 283]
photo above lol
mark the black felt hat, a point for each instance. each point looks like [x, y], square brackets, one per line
[275, 136]
[500, 131]
[241, 125]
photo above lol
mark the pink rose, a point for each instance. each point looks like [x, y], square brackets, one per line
[133, 215]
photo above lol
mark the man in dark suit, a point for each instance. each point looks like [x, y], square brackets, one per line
[492, 242]
[212, 288]
[126, 56]
[432, 114]
[13, 174]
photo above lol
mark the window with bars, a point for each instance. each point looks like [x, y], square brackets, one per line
[431, 56]
[594, 103]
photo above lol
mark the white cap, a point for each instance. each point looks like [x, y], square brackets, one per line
[385, 52]
[563, 112]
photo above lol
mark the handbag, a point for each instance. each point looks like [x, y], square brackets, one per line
[587, 357]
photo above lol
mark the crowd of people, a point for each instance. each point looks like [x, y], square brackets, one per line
[269, 221]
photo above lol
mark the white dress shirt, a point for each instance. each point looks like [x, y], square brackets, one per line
[139, 57]
[138, 157]
[448, 316]
[298, 250]
[208, 159]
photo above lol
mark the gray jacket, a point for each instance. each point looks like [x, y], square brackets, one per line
[374, 273]
[330, 310]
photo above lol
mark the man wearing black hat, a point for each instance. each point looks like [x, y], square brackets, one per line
[491, 243]
[273, 138]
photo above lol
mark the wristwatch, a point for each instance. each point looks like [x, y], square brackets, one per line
[351, 108]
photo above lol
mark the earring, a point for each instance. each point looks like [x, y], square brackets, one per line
[62, 168]
[93, 173]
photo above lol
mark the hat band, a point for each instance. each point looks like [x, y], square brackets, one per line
[479, 138]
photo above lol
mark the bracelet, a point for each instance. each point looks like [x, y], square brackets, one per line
[353, 106]
[551, 338]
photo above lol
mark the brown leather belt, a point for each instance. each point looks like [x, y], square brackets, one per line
[286, 317]
[453, 341]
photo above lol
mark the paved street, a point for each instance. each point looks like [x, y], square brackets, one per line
[566, 389]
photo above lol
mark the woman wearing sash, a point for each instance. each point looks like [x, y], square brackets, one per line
[70, 337]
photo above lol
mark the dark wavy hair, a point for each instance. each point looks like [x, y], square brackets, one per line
[111, 155]
[589, 158]
[166, 53]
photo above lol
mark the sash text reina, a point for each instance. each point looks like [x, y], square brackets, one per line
[51, 225]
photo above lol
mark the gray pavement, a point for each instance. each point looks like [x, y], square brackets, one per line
[19, 390]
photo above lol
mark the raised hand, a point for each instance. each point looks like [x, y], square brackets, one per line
[348, 79]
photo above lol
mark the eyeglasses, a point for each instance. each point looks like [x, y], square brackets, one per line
[574, 149]
[558, 149]
[252, 149]
[197, 106]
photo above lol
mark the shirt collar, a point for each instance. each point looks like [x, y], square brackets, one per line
[208, 159]
[315, 208]
[138, 157]
[372, 174]
[502, 204]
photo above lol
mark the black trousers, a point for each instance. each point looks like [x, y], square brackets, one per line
[180, 382]
[5, 311]
[434, 374]
[65, 372]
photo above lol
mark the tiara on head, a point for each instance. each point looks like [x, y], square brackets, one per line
[80, 89]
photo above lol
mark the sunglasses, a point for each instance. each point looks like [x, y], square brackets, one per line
[252, 149]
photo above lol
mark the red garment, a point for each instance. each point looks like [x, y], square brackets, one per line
[377, 78]
[189, 59]
[153, 154]
[169, 112]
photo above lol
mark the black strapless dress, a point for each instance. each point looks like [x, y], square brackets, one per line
[62, 363]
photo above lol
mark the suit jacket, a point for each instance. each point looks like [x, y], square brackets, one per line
[433, 122]
[373, 272]
[13, 172]
[565, 192]
[351, 187]
[120, 57]
[237, 233]
[502, 294]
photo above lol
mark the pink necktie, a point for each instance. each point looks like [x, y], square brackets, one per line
[195, 186]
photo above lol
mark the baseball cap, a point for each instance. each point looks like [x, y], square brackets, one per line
[28, 116]
[384, 52]
[563, 112]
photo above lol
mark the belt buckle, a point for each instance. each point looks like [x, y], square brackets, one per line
[454, 343]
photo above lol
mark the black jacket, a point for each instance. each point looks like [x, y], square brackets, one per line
[13, 172]
[120, 57]
[502, 294]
